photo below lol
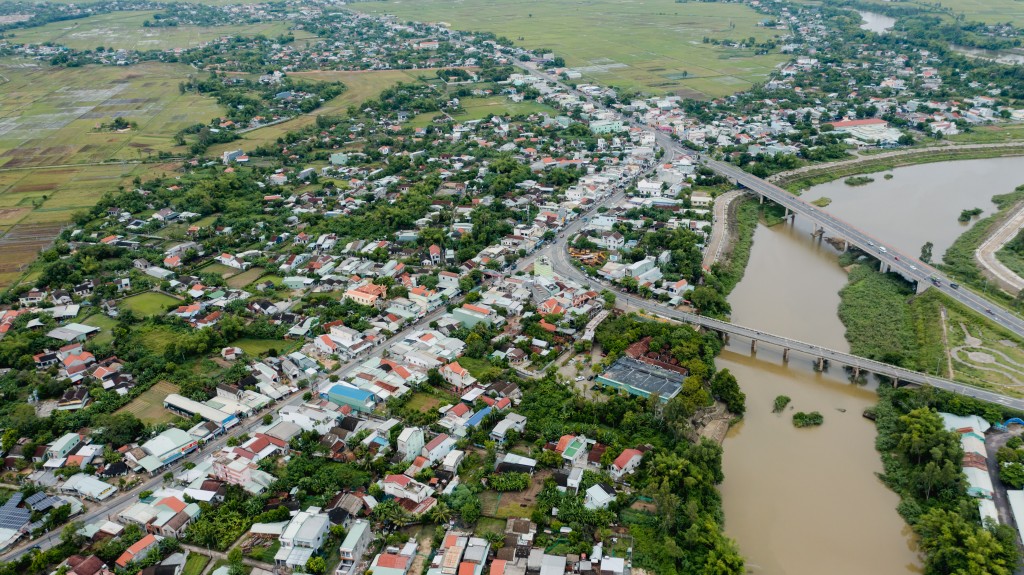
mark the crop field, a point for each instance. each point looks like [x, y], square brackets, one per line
[479, 108]
[987, 11]
[125, 30]
[646, 46]
[149, 405]
[50, 117]
[245, 278]
[359, 87]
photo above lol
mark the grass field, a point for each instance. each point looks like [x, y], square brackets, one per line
[479, 108]
[624, 44]
[359, 87]
[423, 402]
[988, 11]
[156, 339]
[195, 564]
[106, 325]
[125, 30]
[149, 406]
[149, 303]
[991, 134]
[220, 270]
[260, 346]
[239, 281]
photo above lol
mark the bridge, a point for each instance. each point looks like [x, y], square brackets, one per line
[821, 356]
[924, 275]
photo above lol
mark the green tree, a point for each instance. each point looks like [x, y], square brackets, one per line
[316, 565]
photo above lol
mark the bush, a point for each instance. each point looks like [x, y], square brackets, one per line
[801, 419]
[780, 403]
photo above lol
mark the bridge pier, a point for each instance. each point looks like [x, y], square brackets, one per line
[883, 267]
[753, 346]
[785, 355]
[819, 364]
[762, 197]
[856, 373]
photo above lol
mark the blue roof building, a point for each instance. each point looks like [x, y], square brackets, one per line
[358, 399]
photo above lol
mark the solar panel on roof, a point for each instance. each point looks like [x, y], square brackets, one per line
[12, 516]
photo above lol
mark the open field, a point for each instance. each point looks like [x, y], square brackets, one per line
[106, 325]
[195, 564]
[49, 116]
[220, 270]
[619, 43]
[423, 402]
[52, 156]
[359, 87]
[149, 303]
[479, 108]
[125, 30]
[987, 11]
[255, 347]
[156, 339]
[149, 406]
[239, 281]
[991, 134]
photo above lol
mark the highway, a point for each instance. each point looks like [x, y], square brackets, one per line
[561, 264]
[908, 266]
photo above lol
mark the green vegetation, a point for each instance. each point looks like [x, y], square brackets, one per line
[801, 419]
[149, 303]
[958, 261]
[726, 389]
[1012, 254]
[659, 49]
[966, 215]
[509, 481]
[881, 326]
[1011, 463]
[922, 464]
[125, 30]
[195, 564]
[858, 180]
[798, 182]
[822, 202]
[781, 402]
[729, 271]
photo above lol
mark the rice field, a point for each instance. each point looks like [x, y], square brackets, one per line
[656, 46]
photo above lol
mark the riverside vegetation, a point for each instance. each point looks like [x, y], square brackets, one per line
[922, 463]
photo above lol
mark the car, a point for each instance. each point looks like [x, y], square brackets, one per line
[988, 310]
[897, 258]
[872, 244]
[954, 286]
[914, 268]
[882, 249]
[580, 378]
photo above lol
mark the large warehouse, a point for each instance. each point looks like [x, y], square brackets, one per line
[639, 378]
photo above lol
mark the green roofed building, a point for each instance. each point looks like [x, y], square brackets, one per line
[638, 378]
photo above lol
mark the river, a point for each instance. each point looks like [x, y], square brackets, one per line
[807, 501]
[875, 22]
[1001, 56]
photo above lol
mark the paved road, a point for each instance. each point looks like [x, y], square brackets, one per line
[909, 267]
[986, 252]
[719, 228]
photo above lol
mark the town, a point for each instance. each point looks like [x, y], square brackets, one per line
[350, 348]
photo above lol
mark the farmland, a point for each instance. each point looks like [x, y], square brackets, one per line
[53, 160]
[149, 405]
[619, 43]
[125, 30]
[479, 108]
[987, 11]
[359, 87]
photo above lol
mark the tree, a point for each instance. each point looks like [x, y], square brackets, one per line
[725, 388]
[709, 301]
[953, 544]
[316, 565]
[926, 252]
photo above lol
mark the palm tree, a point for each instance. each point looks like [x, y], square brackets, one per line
[440, 514]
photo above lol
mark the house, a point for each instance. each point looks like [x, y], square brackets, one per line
[63, 446]
[303, 536]
[511, 422]
[438, 448]
[355, 398]
[405, 487]
[91, 565]
[138, 551]
[354, 547]
[598, 496]
[625, 463]
[410, 443]
[451, 462]
[457, 376]
[469, 315]
[232, 261]
[573, 449]
[393, 563]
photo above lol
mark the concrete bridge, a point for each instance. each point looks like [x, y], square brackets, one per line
[924, 275]
[821, 356]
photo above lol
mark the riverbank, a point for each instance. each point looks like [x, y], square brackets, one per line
[808, 176]
[738, 228]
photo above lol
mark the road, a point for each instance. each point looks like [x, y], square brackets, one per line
[986, 252]
[719, 240]
[909, 267]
